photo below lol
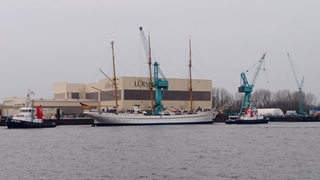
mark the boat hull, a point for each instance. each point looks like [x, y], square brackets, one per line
[247, 121]
[14, 123]
[111, 119]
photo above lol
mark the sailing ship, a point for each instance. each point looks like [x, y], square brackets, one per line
[158, 115]
[28, 117]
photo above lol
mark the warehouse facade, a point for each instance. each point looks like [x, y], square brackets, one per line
[132, 92]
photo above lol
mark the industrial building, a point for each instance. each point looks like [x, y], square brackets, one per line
[270, 112]
[131, 91]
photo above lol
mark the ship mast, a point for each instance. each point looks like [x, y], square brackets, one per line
[150, 76]
[29, 93]
[114, 76]
[190, 77]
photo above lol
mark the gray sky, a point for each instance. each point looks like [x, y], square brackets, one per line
[47, 41]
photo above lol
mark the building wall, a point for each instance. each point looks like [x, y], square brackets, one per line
[131, 91]
[64, 90]
[135, 91]
[60, 90]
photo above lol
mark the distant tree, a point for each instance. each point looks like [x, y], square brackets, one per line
[220, 97]
[282, 99]
[310, 100]
[236, 105]
[294, 105]
[261, 98]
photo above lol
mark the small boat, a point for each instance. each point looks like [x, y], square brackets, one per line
[253, 120]
[249, 117]
[28, 117]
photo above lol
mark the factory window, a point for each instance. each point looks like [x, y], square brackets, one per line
[170, 95]
[109, 95]
[184, 95]
[136, 95]
[75, 95]
[92, 95]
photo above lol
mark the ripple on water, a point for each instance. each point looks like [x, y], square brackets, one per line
[219, 151]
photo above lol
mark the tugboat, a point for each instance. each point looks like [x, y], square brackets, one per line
[249, 116]
[28, 117]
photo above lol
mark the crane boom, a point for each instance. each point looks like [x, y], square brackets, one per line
[258, 70]
[159, 83]
[247, 88]
[144, 42]
[147, 49]
[299, 85]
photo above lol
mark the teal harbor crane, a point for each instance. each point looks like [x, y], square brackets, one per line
[299, 85]
[247, 87]
[160, 83]
[161, 86]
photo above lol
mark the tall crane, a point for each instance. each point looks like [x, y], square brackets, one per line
[147, 50]
[159, 82]
[161, 85]
[247, 87]
[299, 85]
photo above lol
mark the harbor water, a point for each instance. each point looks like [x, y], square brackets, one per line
[219, 151]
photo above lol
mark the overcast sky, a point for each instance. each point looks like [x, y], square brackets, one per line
[48, 41]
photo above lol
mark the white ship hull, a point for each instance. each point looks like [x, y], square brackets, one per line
[111, 119]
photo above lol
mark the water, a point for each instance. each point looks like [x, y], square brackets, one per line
[269, 151]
